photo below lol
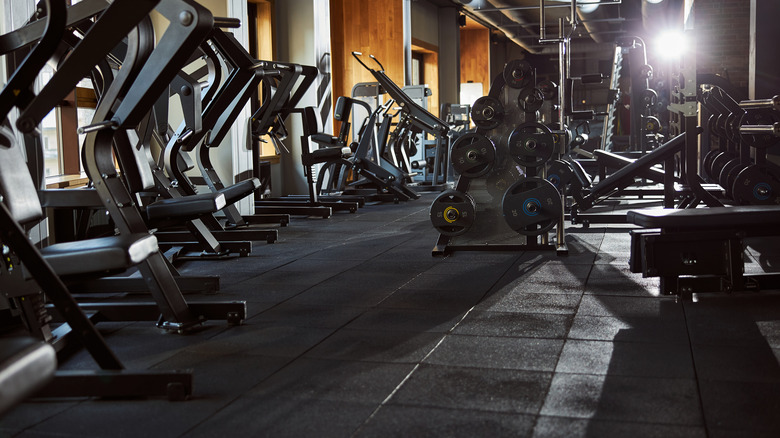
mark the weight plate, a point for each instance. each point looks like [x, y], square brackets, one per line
[560, 175]
[518, 74]
[487, 112]
[530, 99]
[729, 188]
[532, 206]
[549, 89]
[724, 173]
[473, 155]
[452, 212]
[652, 124]
[732, 127]
[649, 97]
[706, 163]
[754, 185]
[760, 117]
[531, 144]
[718, 162]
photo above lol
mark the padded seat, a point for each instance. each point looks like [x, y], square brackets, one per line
[187, 207]
[99, 255]
[331, 153]
[744, 217]
[240, 190]
[324, 139]
[26, 365]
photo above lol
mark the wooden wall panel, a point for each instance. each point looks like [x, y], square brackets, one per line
[475, 57]
[367, 26]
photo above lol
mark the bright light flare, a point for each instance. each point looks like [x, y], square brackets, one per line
[671, 44]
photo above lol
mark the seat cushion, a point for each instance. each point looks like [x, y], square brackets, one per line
[747, 217]
[26, 365]
[186, 207]
[103, 254]
[240, 190]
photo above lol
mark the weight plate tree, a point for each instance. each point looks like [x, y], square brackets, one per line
[501, 200]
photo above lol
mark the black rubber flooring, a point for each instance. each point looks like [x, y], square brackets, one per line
[354, 329]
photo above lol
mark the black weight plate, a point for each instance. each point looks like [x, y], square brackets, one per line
[532, 206]
[518, 74]
[530, 99]
[649, 97]
[732, 127]
[549, 89]
[724, 173]
[473, 155]
[718, 162]
[732, 175]
[706, 164]
[452, 212]
[559, 174]
[652, 124]
[755, 186]
[487, 112]
[531, 144]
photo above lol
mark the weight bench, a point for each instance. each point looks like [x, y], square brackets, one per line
[26, 365]
[701, 250]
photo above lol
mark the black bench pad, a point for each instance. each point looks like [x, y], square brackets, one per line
[707, 218]
[26, 365]
[99, 255]
[240, 190]
[186, 207]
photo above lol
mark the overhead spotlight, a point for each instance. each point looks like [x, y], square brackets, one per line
[671, 44]
[655, 2]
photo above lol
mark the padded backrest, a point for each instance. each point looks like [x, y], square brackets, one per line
[16, 185]
[310, 120]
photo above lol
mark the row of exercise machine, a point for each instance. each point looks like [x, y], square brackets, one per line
[138, 167]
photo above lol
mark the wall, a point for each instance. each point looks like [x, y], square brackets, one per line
[475, 57]
[722, 30]
[367, 26]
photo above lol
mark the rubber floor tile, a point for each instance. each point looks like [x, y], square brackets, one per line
[526, 325]
[497, 352]
[415, 320]
[425, 422]
[626, 359]
[741, 405]
[363, 382]
[521, 302]
[630, 307]
[339, 296]
[735, 363]
[618, 398]
[283, 418]
[376, 346]
[610, 328]
[308, 316]
[269, 339]
[456, 301]
[517, 391]
[560, 427]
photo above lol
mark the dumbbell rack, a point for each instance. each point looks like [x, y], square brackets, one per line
[501, 200]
